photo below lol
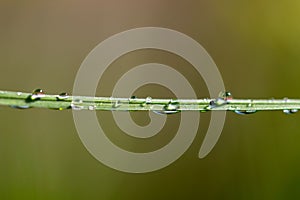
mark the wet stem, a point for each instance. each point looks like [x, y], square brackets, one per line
[225, 102]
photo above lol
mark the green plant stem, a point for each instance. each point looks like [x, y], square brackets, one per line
[20, 100]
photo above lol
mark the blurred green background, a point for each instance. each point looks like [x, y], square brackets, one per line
[256, 46]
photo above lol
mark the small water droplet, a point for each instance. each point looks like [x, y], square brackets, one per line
[37, 94]
[245, 112]
[92, 107]
[62, 96]
[132, 99]
[290, 111]
[77, 104]
[148, 100]
[220, 101]
[170, 108]
[212, 104]
[21, 107]
[165, 112]
[217, 102]
[226, 95]
[19, 93]
[116, 104]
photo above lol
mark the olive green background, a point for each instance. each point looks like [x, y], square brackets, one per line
[256, 47]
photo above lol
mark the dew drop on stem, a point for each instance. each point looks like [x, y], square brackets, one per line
[148, 100]
[165, 112]
[37, 94]
[226, 95]
[62, 96]
[290, 111]
[170, 108]
[132, 99]
[116, 104]
[20, 107]
[77, 104]
[245, 112]
[217, 102]
[222, 99]
[92, 107]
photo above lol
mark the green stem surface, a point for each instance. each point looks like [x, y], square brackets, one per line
[23, 100]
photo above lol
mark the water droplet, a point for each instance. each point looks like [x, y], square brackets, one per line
[164, 112]
[37, 94]
[21, 107]
[217, 102]
[245, 112]
[170, 108]
[132, 99]
[116, 104]
[290, 111]
[77, 104]
[148, 100]
[62, 96]
[19, 93]
[220, 101]
[226, 95]
[92, 107]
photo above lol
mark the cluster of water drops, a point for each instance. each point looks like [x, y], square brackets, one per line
[171, 107]
[221, 100]
[289, 111]
[224, 98]
[77, 104]
[37, 95]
